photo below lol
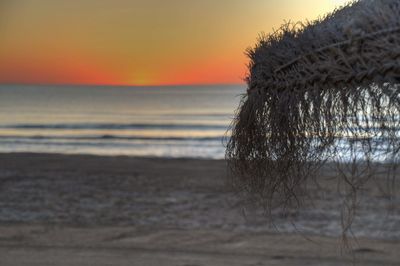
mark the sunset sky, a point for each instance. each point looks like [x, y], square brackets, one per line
[138, 42]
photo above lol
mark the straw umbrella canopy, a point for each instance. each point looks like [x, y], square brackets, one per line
[326, 90]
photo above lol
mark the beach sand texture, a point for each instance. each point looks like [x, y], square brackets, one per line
[92, 210]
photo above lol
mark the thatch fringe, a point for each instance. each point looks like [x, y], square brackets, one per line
[319, 91]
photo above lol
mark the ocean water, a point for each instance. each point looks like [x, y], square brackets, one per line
[172, 121]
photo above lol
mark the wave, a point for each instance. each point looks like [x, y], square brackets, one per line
[109, 137]
[105, 126]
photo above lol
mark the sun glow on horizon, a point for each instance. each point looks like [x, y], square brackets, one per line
[141, 42]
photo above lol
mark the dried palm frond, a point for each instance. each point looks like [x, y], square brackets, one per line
[326, 90]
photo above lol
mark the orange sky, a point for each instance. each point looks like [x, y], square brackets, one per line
[138, 42]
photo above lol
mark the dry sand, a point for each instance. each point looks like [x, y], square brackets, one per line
[88, 210]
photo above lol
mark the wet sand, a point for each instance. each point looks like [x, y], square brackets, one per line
[89, 210]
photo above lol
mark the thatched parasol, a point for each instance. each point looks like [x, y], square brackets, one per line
[320, 91]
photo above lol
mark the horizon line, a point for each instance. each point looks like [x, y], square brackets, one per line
[121, 85]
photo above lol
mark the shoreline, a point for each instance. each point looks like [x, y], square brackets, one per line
[83, 155]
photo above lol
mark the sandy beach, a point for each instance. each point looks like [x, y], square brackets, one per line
[92, 210]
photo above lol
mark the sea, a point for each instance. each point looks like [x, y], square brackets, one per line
[160, 121]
